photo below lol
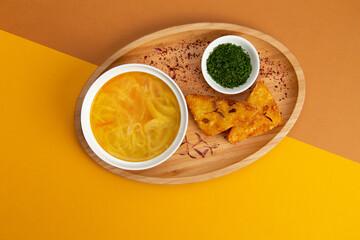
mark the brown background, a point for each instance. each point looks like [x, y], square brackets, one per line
[323, 35]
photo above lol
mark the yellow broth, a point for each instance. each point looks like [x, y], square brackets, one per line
[135, 116]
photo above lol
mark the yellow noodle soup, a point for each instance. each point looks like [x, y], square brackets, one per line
[135, 116]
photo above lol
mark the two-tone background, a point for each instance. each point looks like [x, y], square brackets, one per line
[307, 187]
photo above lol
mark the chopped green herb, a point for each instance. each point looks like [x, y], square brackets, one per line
[229, 65]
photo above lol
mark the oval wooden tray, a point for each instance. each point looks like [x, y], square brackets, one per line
[177, 51]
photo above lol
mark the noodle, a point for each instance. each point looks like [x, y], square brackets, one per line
[135, 116]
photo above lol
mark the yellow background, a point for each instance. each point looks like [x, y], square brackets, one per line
[50, 188]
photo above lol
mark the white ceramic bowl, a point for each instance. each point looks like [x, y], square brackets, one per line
[85, 117]
[254, 58]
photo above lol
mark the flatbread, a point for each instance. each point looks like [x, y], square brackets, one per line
[268, 115]
[215, 115]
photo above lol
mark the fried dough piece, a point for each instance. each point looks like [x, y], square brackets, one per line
[267, 118]
[215, 115]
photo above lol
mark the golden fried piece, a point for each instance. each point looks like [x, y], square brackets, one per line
[215, 115]
[267, 118]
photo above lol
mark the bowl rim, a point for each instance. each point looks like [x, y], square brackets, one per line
[86, 109]
[254, 58]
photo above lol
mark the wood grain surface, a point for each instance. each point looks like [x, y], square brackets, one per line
[177, 51]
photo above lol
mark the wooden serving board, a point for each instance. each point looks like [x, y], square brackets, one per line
[177, 51]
